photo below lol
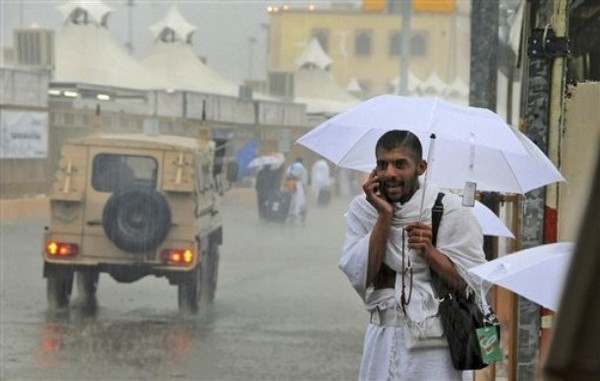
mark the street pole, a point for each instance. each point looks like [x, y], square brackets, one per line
[547, 49]
[129, 43]
[558, 11]
[21, 13]
[267, 28]
[539, 207]
[484, 54]
[483, 91]
[406, 7]
[251, 42]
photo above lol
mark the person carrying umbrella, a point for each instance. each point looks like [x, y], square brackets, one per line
[296, 182]
[388, 255]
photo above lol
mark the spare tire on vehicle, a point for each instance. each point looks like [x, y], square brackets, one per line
[136, 220]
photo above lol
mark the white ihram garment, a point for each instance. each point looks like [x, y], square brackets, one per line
[319, 177]
[385, 356]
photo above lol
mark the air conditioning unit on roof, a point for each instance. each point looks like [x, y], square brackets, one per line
[34, 48]
[281, 84]
[245, 93]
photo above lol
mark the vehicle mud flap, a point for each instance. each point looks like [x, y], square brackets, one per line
[211, 269]
[136, 220]
[189, 291]
[59, 285]
[87, 285]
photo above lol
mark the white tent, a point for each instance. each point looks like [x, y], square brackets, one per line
[173, 58]
[315, 55]
[88, 54]
[85, 52]
[354, 86]
[316, 87]
[414, 84]
[319, 91]
[434, 85]
[177, 63]
[85, 11]
[173, 21]
[458, 89]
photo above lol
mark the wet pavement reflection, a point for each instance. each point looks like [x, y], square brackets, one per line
[283, 311]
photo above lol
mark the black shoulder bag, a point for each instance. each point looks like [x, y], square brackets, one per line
[460, 316]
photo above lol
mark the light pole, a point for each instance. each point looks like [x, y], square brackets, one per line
[251, 42]
[267, 29]
[129, 43]
[406, 9]
[21, 13]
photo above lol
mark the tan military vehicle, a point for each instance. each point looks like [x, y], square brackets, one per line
[136, 205]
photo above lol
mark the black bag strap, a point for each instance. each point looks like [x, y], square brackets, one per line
[437, 212]
[436, 217]
[439, 286]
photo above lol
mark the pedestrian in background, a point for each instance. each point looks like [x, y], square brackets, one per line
[320, 182]
[296, 182]
[268, 181]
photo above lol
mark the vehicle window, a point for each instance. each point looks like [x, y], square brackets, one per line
[113, 172]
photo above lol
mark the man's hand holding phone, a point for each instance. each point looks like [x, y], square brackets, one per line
[375, 194]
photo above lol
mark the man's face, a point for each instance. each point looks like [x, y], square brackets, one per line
[399, 173]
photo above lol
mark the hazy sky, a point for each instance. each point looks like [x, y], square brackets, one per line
[222, 34]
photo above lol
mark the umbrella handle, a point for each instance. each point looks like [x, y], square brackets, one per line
[427, 173]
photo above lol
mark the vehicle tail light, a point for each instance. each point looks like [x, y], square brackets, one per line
[62, 249]
[177, 256]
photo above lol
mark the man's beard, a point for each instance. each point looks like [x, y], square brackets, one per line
[408, 189]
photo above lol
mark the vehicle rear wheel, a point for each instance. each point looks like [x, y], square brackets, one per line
[189, 291]
[212, 271]
[87, 285]
[59, 285]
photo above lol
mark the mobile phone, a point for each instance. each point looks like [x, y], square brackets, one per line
[376, 189]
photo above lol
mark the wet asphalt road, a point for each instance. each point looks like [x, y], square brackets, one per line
[283, 311]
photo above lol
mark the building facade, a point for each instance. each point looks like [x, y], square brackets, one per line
[366, 42]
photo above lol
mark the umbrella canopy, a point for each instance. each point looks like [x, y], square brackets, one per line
[490, 223]
[537, 273]
[423, 116]
[244, 156]
[472, 144]
[275, 160]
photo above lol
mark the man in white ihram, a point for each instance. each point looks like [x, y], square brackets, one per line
[319, 177]
[388, 255]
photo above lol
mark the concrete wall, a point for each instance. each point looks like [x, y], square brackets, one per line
[25, 88]
[173, 112]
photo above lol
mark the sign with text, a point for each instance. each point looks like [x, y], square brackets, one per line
[24, 135]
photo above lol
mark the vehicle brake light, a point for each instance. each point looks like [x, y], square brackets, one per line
[62, 249]
[178, 256]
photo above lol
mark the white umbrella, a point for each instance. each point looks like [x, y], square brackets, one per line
[472, 144]
[490, 223]
[537, 274]
[423, 116]
[261, 161]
